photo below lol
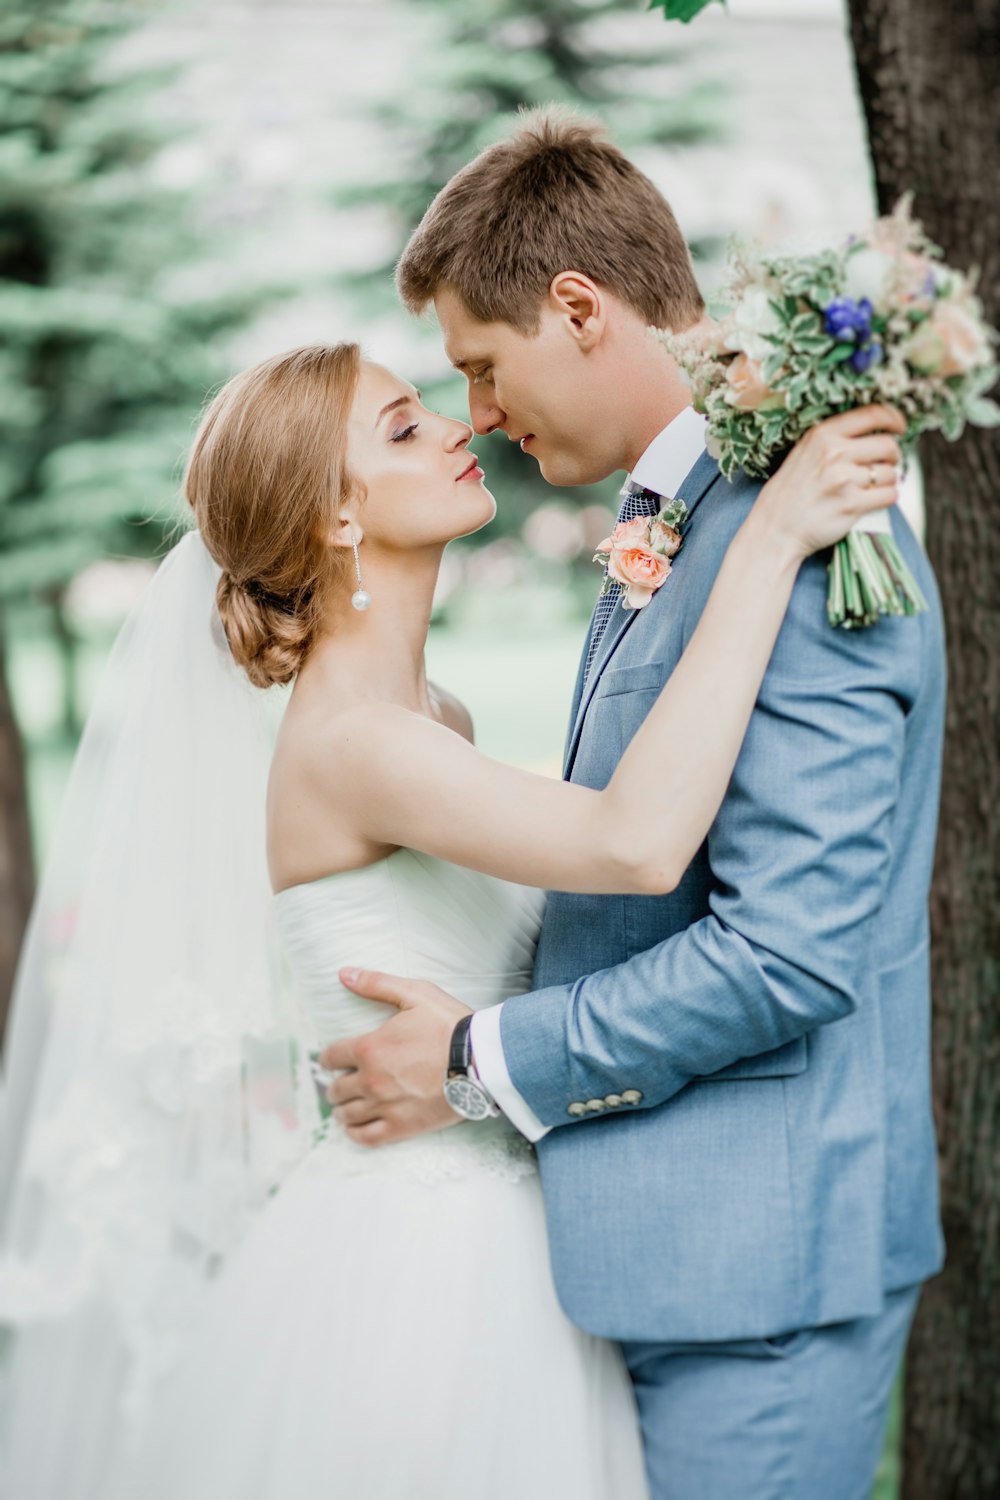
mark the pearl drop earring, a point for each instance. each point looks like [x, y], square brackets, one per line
[361, 599]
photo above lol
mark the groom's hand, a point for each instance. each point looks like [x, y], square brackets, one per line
[393, 1086]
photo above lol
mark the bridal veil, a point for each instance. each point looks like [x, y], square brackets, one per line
[156, 1086]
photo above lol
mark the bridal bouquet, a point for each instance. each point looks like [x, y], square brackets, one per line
[806, 336]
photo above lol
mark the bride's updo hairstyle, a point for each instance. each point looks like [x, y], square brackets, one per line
[266, 480]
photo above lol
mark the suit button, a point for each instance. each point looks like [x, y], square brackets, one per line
[613, 1100]
[596, 1105]
[576, 1108]
[631, 1096]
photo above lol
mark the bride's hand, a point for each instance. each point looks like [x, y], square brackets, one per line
[840, 471]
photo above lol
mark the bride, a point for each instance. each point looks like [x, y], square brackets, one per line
[208, 1290]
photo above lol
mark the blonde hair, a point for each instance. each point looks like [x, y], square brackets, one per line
[266, 479]
[556, 196]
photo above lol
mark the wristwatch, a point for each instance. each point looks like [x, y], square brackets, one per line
[463, 1088]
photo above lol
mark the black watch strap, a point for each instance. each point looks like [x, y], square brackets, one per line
[460, 1054]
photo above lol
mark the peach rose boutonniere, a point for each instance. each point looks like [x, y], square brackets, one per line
[637, 555]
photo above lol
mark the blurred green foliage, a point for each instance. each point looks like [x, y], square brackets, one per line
[681, 10]
[106, 349]
[483, 62]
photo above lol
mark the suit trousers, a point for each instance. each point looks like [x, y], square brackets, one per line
[800, 1417]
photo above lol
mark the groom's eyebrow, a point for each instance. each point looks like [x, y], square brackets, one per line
[399, 401]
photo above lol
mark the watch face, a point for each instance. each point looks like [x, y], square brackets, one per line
[467, 1099]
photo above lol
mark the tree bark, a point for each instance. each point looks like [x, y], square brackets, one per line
[67, 645]
[17, 879]
[927, 73]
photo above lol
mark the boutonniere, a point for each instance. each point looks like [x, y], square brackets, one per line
[638, 554]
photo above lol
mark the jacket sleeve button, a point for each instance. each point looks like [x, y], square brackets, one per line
[576, 1108]
[613, 1101]
[596, 1105]
[631, 1096]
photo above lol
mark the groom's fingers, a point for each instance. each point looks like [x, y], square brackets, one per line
[341, 1056]
[375, 1134]
[345, 1088]
[389, 988]
[357, 1112]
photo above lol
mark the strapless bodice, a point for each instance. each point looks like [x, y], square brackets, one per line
[421, 918]
[412, 915]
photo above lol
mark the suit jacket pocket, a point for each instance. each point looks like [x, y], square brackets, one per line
[781, 1062]
[648, 675]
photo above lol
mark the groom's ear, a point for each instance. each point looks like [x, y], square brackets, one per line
[582, 304]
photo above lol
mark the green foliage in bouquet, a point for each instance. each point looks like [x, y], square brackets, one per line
[881, 320]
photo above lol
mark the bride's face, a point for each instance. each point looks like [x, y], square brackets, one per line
[423, 485]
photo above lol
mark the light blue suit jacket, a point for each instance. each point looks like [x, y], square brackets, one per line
[779, 1170]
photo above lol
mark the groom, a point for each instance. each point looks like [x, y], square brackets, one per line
[728, 1085]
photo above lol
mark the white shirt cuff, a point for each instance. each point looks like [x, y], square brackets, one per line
[491, 1065]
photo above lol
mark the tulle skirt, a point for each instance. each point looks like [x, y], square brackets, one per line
[390, 1330]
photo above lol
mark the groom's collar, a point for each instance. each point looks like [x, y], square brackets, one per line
[671, 455]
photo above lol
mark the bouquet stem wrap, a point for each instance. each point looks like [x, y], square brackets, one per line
[869, 578]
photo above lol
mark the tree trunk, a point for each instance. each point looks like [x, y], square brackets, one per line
[16, 863]
[67, 646]
[927, 73]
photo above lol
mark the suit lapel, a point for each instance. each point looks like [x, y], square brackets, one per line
[695, 487]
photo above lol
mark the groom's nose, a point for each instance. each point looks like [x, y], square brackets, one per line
[484, 413]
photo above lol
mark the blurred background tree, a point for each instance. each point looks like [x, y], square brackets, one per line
[106, 349]
[928, 75]
[482, 62]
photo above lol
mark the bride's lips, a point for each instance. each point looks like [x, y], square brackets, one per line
[472, 472]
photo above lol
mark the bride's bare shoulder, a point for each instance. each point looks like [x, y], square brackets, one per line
[325, 771]
[342, 751]
[453, 712]
[370, 731]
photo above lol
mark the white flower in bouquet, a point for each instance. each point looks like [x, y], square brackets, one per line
[868, 276]
[754, 323]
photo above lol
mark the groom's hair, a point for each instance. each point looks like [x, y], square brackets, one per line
[556, 196]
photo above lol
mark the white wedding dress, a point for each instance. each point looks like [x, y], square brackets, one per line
[389, 1329]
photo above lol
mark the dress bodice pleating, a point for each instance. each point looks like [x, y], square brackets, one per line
[418, 917]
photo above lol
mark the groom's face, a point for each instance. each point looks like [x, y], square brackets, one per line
[541, 389]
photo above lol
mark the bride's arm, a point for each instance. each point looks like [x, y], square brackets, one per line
[418, 784]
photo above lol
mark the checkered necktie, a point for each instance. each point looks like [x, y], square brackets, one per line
[636, 501]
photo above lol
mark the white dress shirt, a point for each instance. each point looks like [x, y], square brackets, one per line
[663, 468]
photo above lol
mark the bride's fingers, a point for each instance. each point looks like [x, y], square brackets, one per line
[864, 419]
[880, 447]
[876, 476]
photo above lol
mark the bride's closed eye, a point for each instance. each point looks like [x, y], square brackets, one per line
[404, 433]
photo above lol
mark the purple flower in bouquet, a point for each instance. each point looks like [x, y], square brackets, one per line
[866, 355]
[848, 321]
